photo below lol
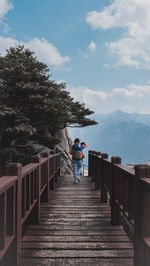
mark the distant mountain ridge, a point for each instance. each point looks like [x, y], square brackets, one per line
[119, 116]
[119, 134]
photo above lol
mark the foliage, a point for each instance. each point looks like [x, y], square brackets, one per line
[32, 106]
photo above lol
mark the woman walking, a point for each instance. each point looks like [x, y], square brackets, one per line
[77, 158]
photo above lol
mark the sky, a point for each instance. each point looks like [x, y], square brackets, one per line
[100, 48]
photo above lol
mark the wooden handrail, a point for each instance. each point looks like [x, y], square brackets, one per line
[22, 190]
[128, 192]
[6, 182]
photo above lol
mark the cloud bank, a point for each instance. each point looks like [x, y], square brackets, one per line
[133, 98]
[133, 17]
[44, 50]
[5, 6]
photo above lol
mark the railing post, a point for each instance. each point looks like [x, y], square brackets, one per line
[15, 169]
[142, 226]
[103, 189]
[52, 182]
[115, 211]
[45, 196]
[58, 165]
[97, 176]
[35, 215]
[92, 166]
[89, 162]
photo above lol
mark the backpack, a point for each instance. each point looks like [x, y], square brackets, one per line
[76, 154]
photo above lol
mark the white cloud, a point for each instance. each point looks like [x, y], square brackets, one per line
[92, 46]
[133, 16]
[126, 92]
[133, 98]
[44, 50]
[5, 6]
[5, 43]
[47, 51]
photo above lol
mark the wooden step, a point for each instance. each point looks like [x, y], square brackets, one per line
[75, 229]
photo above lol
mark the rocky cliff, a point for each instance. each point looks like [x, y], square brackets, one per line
[65, 143]
[64, 138]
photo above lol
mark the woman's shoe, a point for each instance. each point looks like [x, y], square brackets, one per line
[78, 178]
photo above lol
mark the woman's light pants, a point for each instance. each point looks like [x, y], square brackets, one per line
[77, 166]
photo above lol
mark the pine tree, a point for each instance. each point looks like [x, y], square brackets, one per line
[32, 104]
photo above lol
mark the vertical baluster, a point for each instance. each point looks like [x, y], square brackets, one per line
[115, 212]
[35, 215]
[52, 166]
[142, 220]
[47, 175]
[24, 197]
[3, 220]
[10, 211]
[15, 169]
[28, 194]
[103, 189]
[32, 187]
[97, 181]
[97, 177]
[92, 166]
[89, 163]
[126, 195]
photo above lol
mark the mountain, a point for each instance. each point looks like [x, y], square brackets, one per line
[119, 134]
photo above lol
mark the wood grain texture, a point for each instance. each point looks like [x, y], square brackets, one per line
[77, 261]
[75, 229]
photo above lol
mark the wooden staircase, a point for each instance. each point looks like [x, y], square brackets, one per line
[75, 229]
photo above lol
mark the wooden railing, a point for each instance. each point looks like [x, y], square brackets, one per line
[128, 192]
[22, 190]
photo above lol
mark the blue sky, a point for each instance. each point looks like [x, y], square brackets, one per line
[99, 48]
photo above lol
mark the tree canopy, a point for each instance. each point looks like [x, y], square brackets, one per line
[32, 104]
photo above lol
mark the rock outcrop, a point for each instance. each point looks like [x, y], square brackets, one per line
[64, 138]
[65, 143]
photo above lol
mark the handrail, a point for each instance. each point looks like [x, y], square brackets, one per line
[128, 191]
[67, 159]
[22, 190]
[6, 182]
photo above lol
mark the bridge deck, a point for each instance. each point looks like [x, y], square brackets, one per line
[75, 229]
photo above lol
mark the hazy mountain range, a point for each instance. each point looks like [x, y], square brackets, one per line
[119, 134]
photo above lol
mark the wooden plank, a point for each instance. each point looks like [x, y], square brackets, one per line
[68, 216]
[50, 206]
[93, 220]
[75, 212]
[70, 227]
[65, 196]
[77, 245]
[82, 203]
[60, 232]
[75, 229]
[75, 238]
[77, 253]
[77, 261]
[86, 223]
[84, 193]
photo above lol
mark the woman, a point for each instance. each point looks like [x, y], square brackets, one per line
[77, 158]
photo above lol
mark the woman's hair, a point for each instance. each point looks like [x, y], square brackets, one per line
[76, 140]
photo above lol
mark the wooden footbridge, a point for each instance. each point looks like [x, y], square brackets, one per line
[46, 219]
